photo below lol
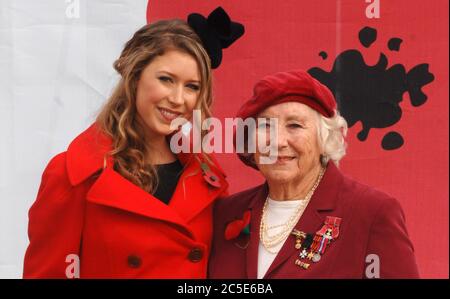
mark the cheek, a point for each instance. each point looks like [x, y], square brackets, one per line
[140, 106]
[191, 102]
[147, 96]
[264, 138]
[306, 146]
[144, 106]
[151, 92]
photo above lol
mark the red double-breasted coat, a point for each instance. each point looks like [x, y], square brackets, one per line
[372, 241]
[118, 230]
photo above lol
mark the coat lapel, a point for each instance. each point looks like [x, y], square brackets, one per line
[126, 196]
[322, 202]
[87, 154]
[193, 193]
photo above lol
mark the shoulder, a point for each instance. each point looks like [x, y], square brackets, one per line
[83, 158]
[56, 165]
[369, 195]
[239, 202]
[369, 202]
[54, 191]
[55, 178]
[87, 154]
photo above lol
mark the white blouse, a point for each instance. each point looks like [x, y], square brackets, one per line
[277, 212]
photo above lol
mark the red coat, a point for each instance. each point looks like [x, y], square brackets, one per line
[117, 229]
[371, 223]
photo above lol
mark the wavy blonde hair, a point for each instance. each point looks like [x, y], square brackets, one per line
[118, 118]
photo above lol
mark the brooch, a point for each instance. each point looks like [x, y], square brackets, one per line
[238, 230]
[210, 177]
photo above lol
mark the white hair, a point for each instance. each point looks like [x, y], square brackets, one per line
[332, 132]
[331, 138]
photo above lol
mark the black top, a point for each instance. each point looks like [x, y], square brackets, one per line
[168, 176]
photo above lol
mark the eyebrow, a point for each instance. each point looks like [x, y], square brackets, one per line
[288, 117]
[175, 76]
[297, 117]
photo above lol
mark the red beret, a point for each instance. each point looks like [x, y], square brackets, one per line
[291, 86]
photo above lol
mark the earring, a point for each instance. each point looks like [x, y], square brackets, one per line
[323, 159]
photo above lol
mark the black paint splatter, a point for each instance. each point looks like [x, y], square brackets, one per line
[394, 44]
[372, 94]
[323, 54]
[391, 141]
[367, 36]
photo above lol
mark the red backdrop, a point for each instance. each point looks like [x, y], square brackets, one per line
[289, 34]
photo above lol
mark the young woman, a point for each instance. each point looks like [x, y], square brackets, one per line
[119, 203]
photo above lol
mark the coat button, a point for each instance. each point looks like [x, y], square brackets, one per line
[134, 261]
[195, 255]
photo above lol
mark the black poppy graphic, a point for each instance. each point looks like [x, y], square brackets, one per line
[372, 94]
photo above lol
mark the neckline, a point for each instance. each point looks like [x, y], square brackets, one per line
[284, 203]
[168, 164]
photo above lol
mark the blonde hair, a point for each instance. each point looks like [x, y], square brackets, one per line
[118, 118]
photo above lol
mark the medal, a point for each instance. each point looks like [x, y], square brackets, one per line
[313, 246]
[301, 264]
[316, 258]
[323, 237]
[299, 236]
[303, 254]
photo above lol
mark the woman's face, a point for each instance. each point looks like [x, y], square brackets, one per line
[168, 88]
[298, 144]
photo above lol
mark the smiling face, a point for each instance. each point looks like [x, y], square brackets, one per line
[298, 143]
[168, 88]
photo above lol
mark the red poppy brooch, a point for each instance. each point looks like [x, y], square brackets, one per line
[210, 177]
[239, 230]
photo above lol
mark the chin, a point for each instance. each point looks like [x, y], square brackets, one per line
[279, 176]
[279, 180]
[160, 130]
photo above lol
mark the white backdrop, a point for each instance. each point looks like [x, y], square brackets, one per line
[55, 72]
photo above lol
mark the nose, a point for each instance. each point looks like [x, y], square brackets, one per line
[282, 138]
[177, 96]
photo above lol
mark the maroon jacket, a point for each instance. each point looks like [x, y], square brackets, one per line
[372, 223]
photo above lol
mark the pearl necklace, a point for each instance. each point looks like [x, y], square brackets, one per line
[270, 241]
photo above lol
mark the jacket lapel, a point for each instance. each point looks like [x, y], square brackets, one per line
[256, 207]
[322, 203]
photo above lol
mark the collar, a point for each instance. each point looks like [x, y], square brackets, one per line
[87, 154]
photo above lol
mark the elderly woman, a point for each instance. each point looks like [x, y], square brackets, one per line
[307, 220]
